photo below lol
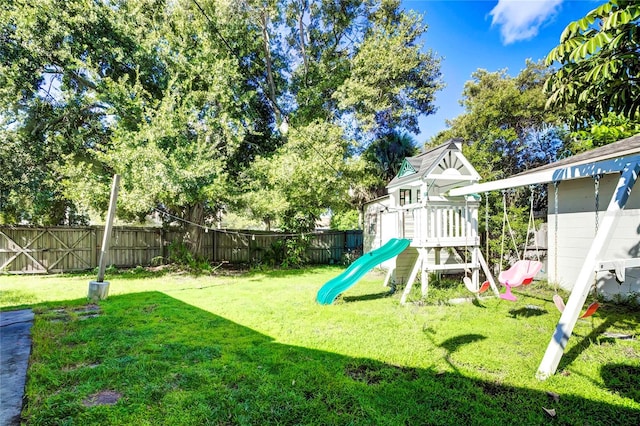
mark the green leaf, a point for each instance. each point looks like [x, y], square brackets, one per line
[569, 31]
[583, 23]
[602, 10]
[592, 45]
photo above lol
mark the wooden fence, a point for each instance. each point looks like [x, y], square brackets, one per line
[36, 250]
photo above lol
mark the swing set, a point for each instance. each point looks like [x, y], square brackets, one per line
[626, 165]
[523, 271]
[557, 299]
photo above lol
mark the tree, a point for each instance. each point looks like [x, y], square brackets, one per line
[387, 153]
[323, 53]
[197, 103]
[609, 129]
[501, 114]
[301, 180]
[391, 81]
[51, 56]
[150, 90]
[599, 58]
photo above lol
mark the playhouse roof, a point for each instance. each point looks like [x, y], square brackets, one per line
[610, 158]
[441, 162]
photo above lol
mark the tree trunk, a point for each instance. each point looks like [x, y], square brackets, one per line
[193, 237]
[264, 25]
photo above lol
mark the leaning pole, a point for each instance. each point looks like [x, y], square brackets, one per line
[99, 289]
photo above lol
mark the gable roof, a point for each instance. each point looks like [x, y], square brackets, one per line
[436, 162]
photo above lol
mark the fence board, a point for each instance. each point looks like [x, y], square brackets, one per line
[32, 250]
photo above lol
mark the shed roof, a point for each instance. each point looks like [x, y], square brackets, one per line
[618, 149]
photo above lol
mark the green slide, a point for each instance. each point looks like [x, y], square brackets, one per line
[332, 288]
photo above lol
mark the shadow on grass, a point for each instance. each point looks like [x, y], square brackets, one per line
[451, 345]
[623, 379]
[528, 311]
[364, 297]
[176, 364]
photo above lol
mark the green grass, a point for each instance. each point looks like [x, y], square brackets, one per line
[256, 349]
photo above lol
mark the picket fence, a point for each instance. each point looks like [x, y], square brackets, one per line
[43, 250]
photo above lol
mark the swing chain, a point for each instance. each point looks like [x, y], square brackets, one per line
[596, 184]
[486, 224]
[555, 234]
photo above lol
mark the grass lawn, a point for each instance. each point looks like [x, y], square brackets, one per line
[256, 349]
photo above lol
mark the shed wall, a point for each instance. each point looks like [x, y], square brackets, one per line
[577, 227]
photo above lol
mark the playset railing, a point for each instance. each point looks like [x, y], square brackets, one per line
[441, 224]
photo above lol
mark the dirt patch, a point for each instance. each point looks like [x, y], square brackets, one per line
[106, 397]
[81, 313]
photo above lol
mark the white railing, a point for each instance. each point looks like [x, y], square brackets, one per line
[442, 223]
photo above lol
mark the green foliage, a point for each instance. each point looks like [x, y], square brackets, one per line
[500, 113]
[346, 220]
[387, 152]
[599, 64]
[295, 185]
[609, 129]
[183, 258]
[296, 251]
[290, 252]
[391, 81]
[202, 106]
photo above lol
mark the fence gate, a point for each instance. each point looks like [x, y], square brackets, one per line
[46, 250]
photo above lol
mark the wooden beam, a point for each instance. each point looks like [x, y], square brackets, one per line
[555, 174]
[422, 254]
[106, 238]
[584, 281]
[618, 266]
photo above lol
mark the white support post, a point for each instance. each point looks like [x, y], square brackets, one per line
[475, 272]
[580, 291]
[388, 277]
[414, 273]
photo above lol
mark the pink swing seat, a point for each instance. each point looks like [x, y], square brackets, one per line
[521, 273]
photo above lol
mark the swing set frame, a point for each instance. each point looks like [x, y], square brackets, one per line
[628, 167]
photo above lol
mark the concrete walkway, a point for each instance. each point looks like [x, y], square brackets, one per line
[15, 348]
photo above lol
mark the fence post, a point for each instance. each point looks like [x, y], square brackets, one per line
[93, 246]
[163, 246]
[214, 245]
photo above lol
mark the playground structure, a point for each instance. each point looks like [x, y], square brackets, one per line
[443, 229]
[433, 202]
[440, 231]
[332, 288]
[616, 231]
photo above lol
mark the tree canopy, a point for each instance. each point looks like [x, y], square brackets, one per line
[502, 120]
[599, 58]
[194, 102]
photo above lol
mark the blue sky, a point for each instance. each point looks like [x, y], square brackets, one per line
[488, 34]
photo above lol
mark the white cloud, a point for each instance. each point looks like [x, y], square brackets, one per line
[521, 19]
